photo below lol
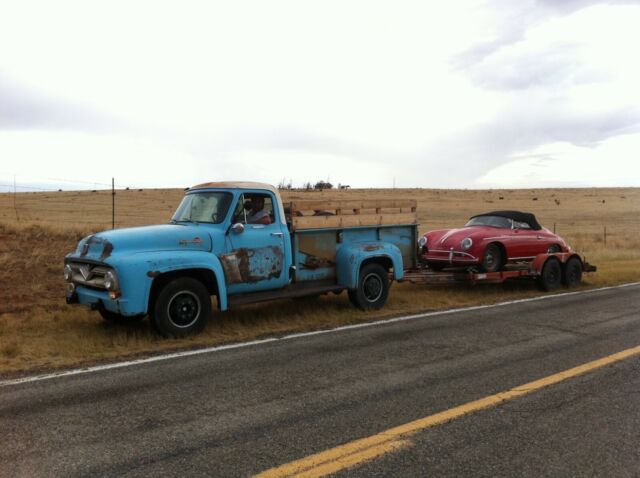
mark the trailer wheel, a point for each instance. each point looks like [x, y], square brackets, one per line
[373, 288]
[492, 258]
[572, 273]
[551, 275]
[182, 307]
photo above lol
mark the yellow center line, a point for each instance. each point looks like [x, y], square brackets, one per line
[366, 449]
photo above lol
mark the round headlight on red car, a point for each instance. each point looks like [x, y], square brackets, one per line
[466, 243]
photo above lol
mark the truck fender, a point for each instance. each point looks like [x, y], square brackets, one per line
[156, 264]
[350, 257]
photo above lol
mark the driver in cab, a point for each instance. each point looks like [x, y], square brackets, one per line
[257, 214]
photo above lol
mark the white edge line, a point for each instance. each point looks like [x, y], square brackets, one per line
[219, 348]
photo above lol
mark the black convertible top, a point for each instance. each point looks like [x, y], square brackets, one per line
[516, 216]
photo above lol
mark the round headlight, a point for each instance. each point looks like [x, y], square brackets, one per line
[422, 242]
[68, 273]
[110, 281]
[466, 243]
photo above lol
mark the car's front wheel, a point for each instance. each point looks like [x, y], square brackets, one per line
[182, 307]
[492, 258]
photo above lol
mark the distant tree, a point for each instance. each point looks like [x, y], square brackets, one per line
[321, 185]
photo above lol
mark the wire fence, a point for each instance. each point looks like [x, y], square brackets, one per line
[604, 217]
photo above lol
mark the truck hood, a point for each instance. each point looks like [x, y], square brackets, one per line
[167, 237]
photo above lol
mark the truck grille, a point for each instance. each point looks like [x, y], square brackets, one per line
[90, 275]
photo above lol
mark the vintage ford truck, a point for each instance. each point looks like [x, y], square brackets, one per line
[238, 242]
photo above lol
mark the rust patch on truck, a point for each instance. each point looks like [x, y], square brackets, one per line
[153, 274]
[247, 266]
[106, 250]
[372, 247]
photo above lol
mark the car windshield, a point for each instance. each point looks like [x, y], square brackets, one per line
[491, 221]
[208, 207]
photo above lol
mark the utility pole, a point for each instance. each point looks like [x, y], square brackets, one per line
[15, 207]
[113, 203]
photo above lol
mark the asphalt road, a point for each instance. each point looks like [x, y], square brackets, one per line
[241, 411]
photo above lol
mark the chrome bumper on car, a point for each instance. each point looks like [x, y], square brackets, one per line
[449, 255]
[88, 274]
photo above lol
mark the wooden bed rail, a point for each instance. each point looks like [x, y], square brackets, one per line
[318, 214]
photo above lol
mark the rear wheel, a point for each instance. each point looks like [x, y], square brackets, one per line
[553, 249]
[572, 273]
[182, 307]
[551, 275]
[373, 288]
[492, 258]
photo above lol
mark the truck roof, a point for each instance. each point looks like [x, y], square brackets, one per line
[236, 185]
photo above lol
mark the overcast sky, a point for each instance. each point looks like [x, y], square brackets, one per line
[465, 94]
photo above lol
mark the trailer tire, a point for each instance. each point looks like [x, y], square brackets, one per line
[572, 273]
[551, 275]
[373, 287]
[182, 307]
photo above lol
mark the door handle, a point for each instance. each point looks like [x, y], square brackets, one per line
[276, 234]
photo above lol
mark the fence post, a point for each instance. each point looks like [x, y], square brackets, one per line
[605, 235]
[113, 203]
[554, 227]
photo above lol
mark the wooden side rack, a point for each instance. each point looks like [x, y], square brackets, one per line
[317, 214]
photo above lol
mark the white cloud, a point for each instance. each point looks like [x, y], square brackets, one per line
[83, 157]
[614, 162]
[350, 90]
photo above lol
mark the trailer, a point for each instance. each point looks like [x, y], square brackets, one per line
[551, 271]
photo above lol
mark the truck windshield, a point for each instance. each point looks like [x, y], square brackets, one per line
[208, 207]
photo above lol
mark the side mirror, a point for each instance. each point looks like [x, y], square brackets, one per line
[238, 228]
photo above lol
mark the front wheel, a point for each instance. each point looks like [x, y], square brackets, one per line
[182, 307]
[373, 288]
[492, 258]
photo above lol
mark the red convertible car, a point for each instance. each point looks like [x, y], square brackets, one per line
[489, 241]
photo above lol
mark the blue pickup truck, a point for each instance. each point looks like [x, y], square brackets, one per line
[237, 241]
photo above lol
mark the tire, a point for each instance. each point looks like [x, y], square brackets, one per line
[553, 248]
[551, 275]
[373, 288]
[572, 273]
[492, 259]
[114, 317]
[436, 266]
[182, 307]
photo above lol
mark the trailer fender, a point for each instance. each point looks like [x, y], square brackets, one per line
[350, 258]
[150, 266]
[540, 260]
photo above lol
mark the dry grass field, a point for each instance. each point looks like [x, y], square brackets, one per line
[39, 331]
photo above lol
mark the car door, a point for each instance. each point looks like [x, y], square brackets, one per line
[526, 242]
[256, 256]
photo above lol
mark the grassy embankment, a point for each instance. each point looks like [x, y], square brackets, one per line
[38, 331]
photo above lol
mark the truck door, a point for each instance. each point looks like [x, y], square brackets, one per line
[257, 257]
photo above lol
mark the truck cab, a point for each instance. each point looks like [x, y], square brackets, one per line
[234, 241]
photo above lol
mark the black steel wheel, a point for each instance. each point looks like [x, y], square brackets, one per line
[551, 276]
[182, 307]
[572, 272]
[492, 259]
[373, 287]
